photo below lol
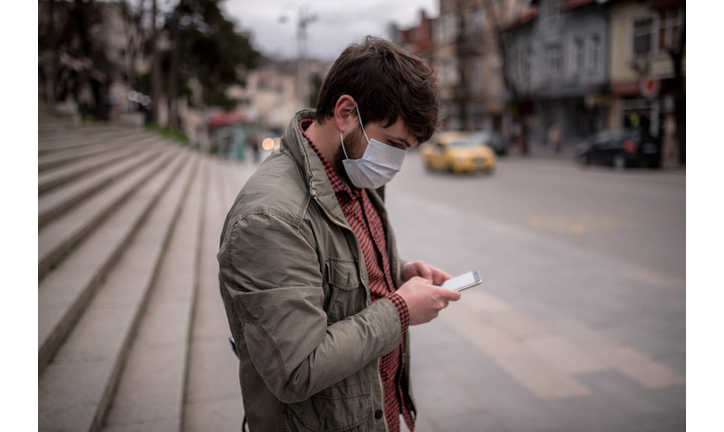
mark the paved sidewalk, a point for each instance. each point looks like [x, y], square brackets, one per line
[569, 341]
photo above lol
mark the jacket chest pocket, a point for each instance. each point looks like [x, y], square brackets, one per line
[346, 294]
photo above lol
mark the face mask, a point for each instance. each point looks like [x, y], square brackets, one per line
[377, 166]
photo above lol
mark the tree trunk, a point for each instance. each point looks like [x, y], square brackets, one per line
[677, 57]
[156, 66]
[515, 100]
[173, 77]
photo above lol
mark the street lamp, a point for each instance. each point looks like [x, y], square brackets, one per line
[304, 18]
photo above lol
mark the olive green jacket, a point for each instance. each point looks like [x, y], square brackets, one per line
[297, 299]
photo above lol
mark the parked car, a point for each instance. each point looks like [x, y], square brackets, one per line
[620, 149]
[495, 140]
[458, 152]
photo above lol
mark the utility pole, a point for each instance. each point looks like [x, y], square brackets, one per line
[304, 18]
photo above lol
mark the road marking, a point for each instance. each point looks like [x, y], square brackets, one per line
[655, 279]
[545, 359]
[583, 223]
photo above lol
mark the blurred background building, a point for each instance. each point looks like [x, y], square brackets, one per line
[521, 68]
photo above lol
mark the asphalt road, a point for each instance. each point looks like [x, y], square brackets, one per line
[638, 216]
[580, 323]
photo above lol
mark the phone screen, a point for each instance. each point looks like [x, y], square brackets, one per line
[465, 280]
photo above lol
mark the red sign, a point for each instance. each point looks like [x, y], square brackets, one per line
[649, 87]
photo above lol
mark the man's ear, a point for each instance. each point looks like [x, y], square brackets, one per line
[345, 114]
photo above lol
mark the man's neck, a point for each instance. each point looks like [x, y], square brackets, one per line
[323, 136]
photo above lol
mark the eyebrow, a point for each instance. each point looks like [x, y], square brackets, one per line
[401, 143]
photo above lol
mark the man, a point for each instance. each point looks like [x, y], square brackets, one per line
[316, 296]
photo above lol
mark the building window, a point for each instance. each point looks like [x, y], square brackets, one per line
[475, 21]
[578, 55]
[552, 12]
[446, 29]
[554, 60]
[448, 72]
[478, 71]
[595, 55]
[643, 35]
[527, 65]
[670, 28]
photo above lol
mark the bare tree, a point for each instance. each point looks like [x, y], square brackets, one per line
[173, 73]
[676, 53]
[156, 65]
[498, 16]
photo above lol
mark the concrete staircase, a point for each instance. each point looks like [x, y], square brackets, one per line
[132, 333]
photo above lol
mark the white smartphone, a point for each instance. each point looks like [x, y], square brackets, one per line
[463, 282]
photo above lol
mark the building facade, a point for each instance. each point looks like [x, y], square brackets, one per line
[557, 60]
[643, 76]
[468, 59]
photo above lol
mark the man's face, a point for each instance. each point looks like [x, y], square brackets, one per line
[355, 143]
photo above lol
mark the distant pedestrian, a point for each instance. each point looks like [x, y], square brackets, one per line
[317, 298]
[554, 138]
[254, 144]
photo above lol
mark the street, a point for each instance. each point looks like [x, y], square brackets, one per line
[580, 321]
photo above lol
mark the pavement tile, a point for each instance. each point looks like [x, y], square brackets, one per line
[676, 425]
[422, 424]
[89, 340]
[173, 425]
[468, 423]
[540, 378]
[648, 342]
[515, 324]
[439, 395]
[591, 414]
[640, 368]
[656, 279]
[213, 371]
[626, 398]
[676, 362]
[484, 337]
[562, 354]
[164, 324]
[484, 302]
[150, 389]
[213, 415]
[61, 409]
[582, 335]
[492, 390]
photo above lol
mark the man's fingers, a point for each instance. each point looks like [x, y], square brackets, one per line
[450, 295]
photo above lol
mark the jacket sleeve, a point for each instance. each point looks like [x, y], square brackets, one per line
[271, 272]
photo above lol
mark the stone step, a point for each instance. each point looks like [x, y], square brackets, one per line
[48, 136]
[77, 387]
[56, 203]
[151, 389]
[82, 149]
[53, 178]
[63, 294]
[213, 396]
[59, 236]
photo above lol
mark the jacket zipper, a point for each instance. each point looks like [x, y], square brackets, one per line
[359, 252]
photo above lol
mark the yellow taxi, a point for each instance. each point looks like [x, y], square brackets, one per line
[458, 152]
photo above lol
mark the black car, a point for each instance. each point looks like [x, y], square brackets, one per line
[620, 149]
[495, 140]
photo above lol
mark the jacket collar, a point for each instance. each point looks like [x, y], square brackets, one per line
[295, 145]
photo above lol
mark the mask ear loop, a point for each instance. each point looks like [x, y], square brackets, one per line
[342, 139]
[360, 122]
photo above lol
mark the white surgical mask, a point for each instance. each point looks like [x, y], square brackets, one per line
[377, 166]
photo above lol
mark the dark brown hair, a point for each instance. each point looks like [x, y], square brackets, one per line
[387, 83]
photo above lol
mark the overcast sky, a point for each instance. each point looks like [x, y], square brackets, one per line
[338, 22]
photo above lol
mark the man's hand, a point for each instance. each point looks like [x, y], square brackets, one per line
[425, 300]
[425, 271]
